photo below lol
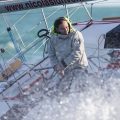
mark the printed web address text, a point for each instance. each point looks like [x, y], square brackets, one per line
[37, 4]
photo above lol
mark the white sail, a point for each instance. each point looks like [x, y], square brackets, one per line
[18, 6]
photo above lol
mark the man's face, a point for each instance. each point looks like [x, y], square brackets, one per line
[63, 28]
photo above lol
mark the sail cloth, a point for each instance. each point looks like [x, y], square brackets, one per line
[33, 4]
[112, 39]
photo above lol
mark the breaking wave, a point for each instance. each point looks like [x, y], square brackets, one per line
[99, 101]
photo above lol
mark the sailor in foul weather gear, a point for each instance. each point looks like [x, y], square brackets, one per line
[66, 47]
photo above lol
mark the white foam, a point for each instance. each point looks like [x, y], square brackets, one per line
[98, 102]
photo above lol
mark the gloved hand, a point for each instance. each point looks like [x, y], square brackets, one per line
[59, 69]
[61, 73]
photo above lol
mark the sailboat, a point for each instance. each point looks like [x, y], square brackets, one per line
[20, 77]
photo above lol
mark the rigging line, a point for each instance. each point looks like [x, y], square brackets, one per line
[104, 60]
[50, 16]
[90, 66]
[107, 22]
[70, 16]
[43, 20]
[46, 17]
[40, 46]
[6, 22]
[88, 13]
[93, 63]
[101, 58]
[78, 7]
[102, 36]
[73, 12]
[94, 52]
[96, 22]
[16, 21]
[92, 6]
[54, 12]
[31, 45]
[70, 12]
[37, 24]
[21, 18]
[67, 12]
[19, 36]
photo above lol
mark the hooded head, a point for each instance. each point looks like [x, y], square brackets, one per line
[62, 26]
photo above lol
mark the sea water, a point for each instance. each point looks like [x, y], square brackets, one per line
[26, 24]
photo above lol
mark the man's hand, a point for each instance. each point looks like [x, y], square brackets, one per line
[59, 69]
[61, 73]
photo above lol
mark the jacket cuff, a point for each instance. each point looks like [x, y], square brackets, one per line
[63, 63]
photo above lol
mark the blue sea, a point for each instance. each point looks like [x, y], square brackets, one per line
[26, 24]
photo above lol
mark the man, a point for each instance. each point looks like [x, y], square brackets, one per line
[66, 47]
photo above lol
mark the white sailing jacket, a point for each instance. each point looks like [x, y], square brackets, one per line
[68, 50]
